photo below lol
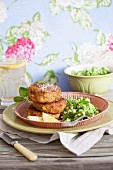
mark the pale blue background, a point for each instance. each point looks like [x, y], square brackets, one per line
[62, 31]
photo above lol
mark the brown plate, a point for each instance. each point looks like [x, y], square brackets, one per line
[99, 102]
[11, 119]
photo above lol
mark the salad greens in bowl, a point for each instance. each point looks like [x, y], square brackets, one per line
[90, 79]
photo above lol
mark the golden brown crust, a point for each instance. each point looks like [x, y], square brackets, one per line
[53, 107]
[44, 93]
[32, 111]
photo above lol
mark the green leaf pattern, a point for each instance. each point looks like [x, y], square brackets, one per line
[50, 77]
[78, 10]
[82, 17]
[11, 35]
[49, 59]
[101, 38]
[73, 60]
[69, 61]
[26, 34]
[46, 34]
[11, 41]
[36, 17]
[104, 3]
[12, 31]
[89, 4]
[1, 49]
[74, 47]
[53, 7]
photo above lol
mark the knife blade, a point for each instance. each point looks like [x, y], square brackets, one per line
[23, 150]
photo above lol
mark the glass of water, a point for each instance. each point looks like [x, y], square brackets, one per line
[12, 76]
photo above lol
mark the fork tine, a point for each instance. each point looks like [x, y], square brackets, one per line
[73, 123]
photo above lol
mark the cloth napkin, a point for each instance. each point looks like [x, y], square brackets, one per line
[76, 143]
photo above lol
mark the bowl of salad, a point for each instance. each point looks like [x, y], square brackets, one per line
[90, 79]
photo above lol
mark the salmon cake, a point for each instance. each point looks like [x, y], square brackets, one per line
[32, 111]
[44, 93]
[53, 107]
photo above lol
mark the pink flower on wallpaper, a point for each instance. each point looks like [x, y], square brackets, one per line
[110, 42]
[24, 48]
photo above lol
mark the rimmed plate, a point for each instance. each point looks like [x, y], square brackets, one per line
[11, 119]
[99, 102]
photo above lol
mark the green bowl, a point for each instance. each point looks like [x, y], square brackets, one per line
[89, 84]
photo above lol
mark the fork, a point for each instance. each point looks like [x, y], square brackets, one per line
[73, 123]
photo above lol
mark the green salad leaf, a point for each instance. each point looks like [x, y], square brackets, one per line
[79, 107]
[23, 92]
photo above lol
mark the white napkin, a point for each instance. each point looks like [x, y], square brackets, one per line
[77, 143]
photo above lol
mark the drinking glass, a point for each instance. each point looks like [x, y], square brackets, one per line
[12, 76]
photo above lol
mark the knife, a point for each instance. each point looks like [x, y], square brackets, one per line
[27, 153]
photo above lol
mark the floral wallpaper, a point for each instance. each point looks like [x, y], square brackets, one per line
[54, 34]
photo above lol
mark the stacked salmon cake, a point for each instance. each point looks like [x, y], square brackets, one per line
[45, 98]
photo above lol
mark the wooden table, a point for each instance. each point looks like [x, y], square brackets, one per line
[54, 156]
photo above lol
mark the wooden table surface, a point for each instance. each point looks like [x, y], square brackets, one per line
[54, 156]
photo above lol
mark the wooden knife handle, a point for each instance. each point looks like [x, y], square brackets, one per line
[27, 153]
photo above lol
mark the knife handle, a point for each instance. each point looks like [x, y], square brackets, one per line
[27, 153]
